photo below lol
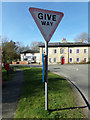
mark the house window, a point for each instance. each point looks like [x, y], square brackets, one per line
[54, 59]
[24, 54]
[50, 51]
[85, 50]
[25, 59]
[28, 57]
[55, 51]
[33, 57]
[70, 59]
[70, 50]
[77, 50]
[85, 59]
[77, 59]
[50, 60]
[62, 51]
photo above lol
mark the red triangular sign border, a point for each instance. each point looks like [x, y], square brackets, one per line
[31, 9]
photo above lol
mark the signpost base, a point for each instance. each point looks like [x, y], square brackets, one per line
[46, 96]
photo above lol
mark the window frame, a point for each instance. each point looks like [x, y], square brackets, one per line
[55, 60]
[70, 50]
[84, 51]
[85, 60]
[70, 61]
[78, 52]
[79, 59]
[50, 51]
[55, 51]
[50, 60]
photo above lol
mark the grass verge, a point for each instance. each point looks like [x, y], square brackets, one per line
[60, 96]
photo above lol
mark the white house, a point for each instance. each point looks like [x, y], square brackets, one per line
[32, 56]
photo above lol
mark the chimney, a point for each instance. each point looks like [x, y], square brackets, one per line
[81, 40]
[64, 40]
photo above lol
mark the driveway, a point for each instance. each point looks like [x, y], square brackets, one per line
[77, 73]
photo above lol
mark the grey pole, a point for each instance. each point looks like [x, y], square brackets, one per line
[46, 77]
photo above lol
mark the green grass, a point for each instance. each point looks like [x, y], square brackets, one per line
[60, 95]
[6, 77]
[20, 67]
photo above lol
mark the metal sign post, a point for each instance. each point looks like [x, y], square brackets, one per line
[43, 67]
[46, 77]
[47, 22]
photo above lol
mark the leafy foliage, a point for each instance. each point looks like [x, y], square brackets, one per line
[9, 51]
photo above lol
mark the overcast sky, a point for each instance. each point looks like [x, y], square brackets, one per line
[18, 24]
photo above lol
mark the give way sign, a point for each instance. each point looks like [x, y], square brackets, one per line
[46, 20]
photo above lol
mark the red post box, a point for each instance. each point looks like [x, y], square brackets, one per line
[63, 60]
[7, 66]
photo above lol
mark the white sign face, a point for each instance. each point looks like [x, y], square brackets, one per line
[47, 21]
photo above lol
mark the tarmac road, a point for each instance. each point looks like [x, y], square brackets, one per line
[77, 73]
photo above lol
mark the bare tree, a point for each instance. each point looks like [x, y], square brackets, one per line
[22, 47]
[89, 38]
[35, 45]
[83, 37]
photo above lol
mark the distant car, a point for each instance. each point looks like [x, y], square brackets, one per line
[29, 62]
[2, 64]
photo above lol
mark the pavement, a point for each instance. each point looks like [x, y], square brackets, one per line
[11, 91]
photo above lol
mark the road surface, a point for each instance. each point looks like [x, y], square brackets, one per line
[77, 73]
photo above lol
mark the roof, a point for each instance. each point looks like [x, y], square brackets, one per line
[73, 44]
[31, 51]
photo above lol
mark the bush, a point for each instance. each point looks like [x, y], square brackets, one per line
[58, 62]
[83, 62]
[89, 61]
